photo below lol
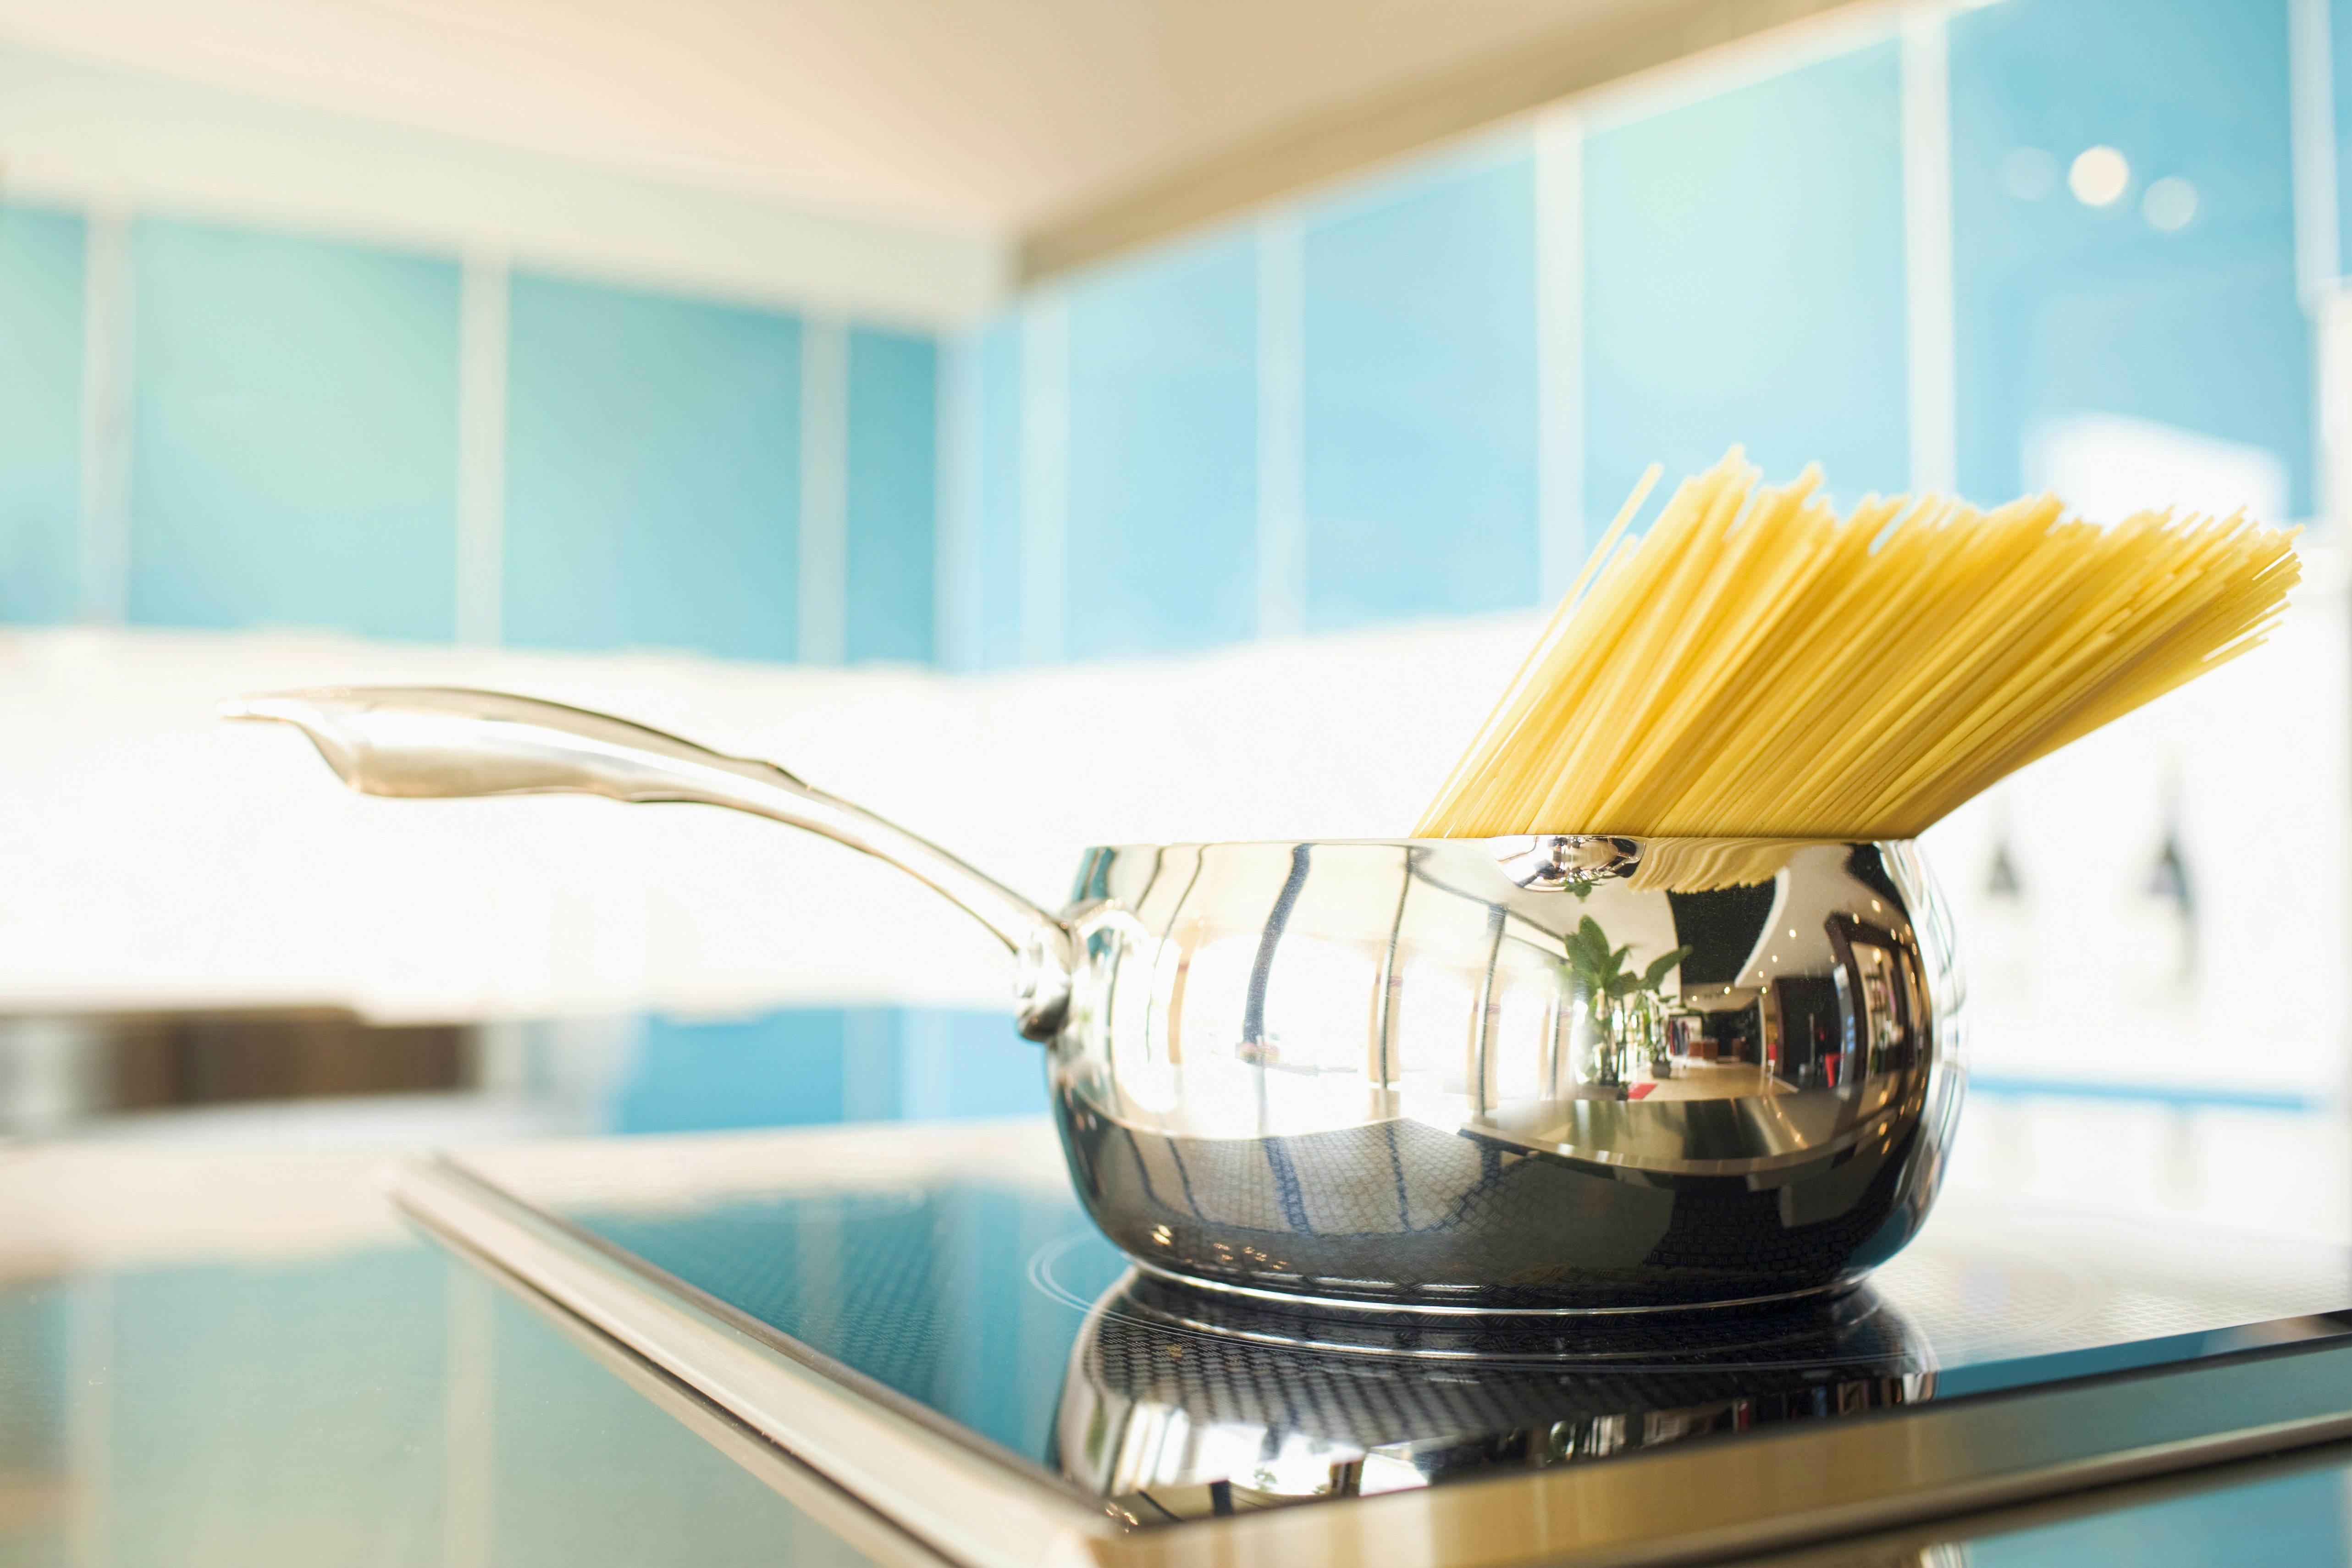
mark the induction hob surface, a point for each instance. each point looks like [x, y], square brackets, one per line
[948, 1274]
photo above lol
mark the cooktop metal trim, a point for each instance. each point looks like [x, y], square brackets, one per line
[1808, 1482]
[959, 1503]
[815, 1494]
[726, 1312]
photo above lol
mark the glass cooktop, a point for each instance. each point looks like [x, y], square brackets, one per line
[949, 1272]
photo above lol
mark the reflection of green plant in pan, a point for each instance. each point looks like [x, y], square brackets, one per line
[1602, 971]
[1613, 992]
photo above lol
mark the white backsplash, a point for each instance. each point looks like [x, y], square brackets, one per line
[161, 859]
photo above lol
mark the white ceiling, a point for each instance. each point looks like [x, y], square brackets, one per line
[1001, 113]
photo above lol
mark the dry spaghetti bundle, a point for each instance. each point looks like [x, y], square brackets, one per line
[1757, 666]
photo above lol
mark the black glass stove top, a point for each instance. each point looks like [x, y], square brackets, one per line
[972, 1292]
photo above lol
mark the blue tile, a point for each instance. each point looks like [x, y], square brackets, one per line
[957, 1063]
[653, 472]
[40, 415]
[1163, 451]
[294, 434]
[1744, 283]
[893, 512]
[2340, 78]
[1420, 460]
[2064, 309]
[997, 516]
[781, 1070]
[799, 1066]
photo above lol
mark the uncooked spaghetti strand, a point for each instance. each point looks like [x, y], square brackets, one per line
[1809, 650]
[1782, 524]
[1832, 693]
[1756, 668]
[2154, 611]
[1615, 596]
[1574, 750]
[1689, 549]
[1945, 680]
[1712, 692]
[1494, 726]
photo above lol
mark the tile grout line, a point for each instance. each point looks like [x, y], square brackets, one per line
[1281, 387]
[1045, 476]
[927, 1063]
[824, 462]
[1559, 350]
[2311, 100]
[110, 325]
[2318, 250]
[483, 343]
[1930, 353]
[956, 583]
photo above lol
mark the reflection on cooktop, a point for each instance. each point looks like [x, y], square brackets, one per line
[991, 1309]
[1179, 1403]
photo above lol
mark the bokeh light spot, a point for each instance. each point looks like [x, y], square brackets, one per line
[2099, 176]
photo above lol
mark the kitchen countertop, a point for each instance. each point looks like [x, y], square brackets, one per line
[225, 1356]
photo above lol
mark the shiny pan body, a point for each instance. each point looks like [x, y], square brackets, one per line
[1559, 1074]
[1391, 1072]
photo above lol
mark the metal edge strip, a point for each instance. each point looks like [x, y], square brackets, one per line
[1767, 1491]
[860, 1384]
[1798, 1487]
[958, 1503]
[855, 1521]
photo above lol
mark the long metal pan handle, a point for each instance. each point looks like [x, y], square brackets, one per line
[432, 741]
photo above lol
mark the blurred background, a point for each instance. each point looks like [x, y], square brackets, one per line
[1045, 423]
[1052, 424]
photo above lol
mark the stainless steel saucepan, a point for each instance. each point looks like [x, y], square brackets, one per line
[1555, 1074]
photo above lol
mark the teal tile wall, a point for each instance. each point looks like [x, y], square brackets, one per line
[1743, 267]
[41, 268]
[2063, 308]
[1419, 417]
[801, 1066]
[653, 472]
[293, 434]
[893, 502]
[996, 510]
[1163, 451]
[779, 1069]
[1744, 283]
[2338, 79]
[959, 1062]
